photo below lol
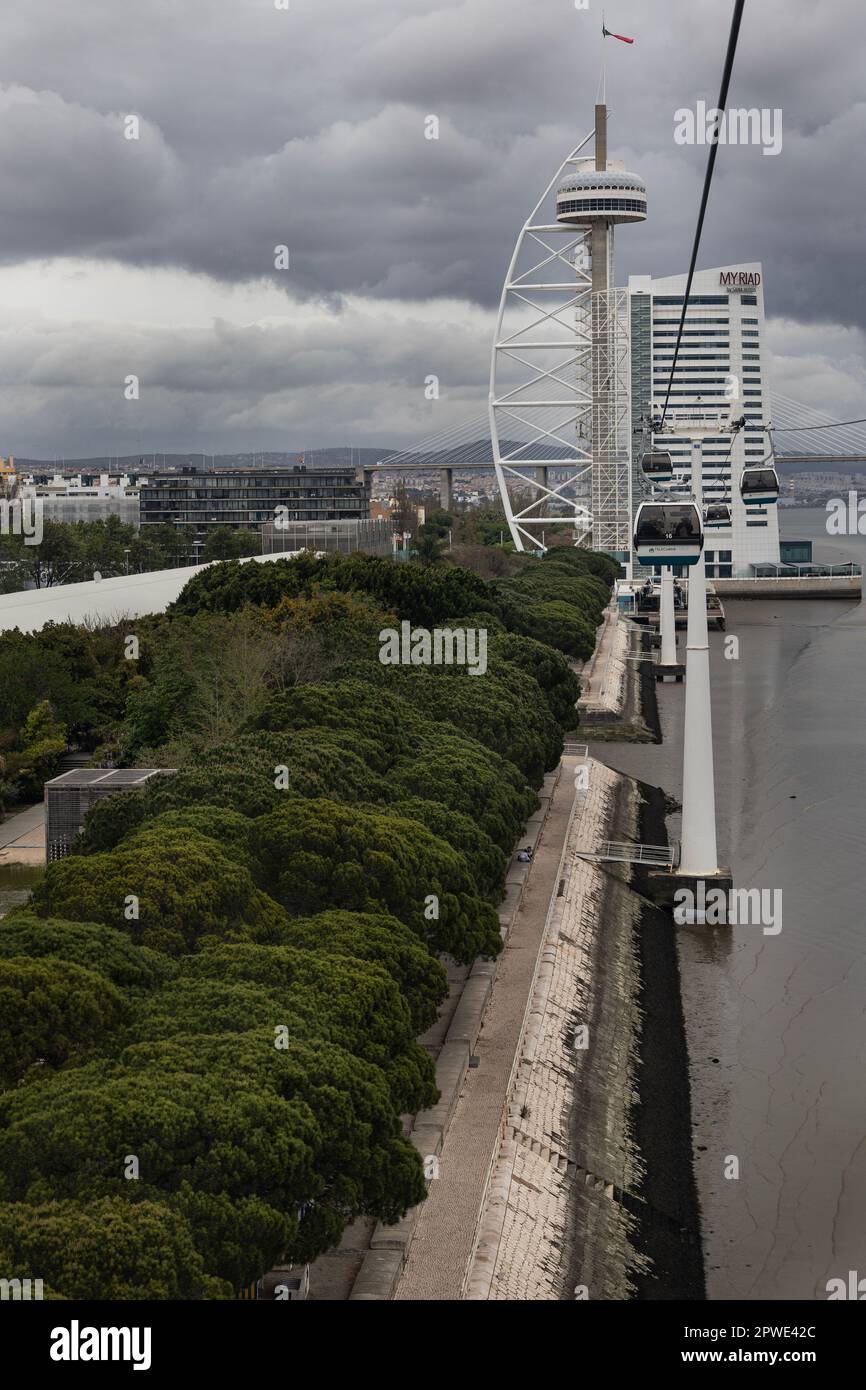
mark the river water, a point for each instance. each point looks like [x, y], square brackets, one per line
[776, 1024]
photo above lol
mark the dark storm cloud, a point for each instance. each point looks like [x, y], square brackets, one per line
[306, 127]
[261, 127]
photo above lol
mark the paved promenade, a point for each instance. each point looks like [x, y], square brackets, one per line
[552, 1222]
[22, 837]
[444, 1236]
[604, 678]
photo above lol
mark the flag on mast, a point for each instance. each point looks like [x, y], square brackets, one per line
[609, 34]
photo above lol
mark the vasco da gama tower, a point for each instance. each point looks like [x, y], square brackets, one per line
[600, 197]
[579, 369]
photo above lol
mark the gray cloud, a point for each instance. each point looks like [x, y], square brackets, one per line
[228, 387]
[306, 127]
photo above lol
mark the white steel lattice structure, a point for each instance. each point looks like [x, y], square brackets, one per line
[560, 389]
[611, 422]
[540, 402]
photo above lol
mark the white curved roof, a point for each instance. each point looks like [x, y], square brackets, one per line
[587, 179]
[101, 600]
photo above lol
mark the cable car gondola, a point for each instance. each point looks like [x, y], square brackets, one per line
[759, 486]
[717, 516]
[668, 533]
[657, 467]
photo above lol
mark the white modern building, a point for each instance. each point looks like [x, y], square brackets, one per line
[722, 351]
[79, 499]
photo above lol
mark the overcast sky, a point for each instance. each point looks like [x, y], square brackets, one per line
[262, 126]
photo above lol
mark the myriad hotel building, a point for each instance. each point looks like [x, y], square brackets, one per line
[722, 350]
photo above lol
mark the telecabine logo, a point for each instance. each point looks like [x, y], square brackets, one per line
[22, 516]
[443, 646]
[738, 125]
[77, 1343]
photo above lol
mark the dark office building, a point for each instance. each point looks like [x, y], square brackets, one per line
[248, 497]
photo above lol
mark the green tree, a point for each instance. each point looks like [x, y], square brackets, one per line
[228, 543]
[44, 743]
[381, 938]
[89, 944]
[362, 1163]
[548, 666]
[351, 1002]
[168, 896]
[485, 859]
[317, 854]
[54, 561]
[422, 596]
[50, 1009]
[108, 1249]
[219, 1121]
[429, 548]
[249, 774]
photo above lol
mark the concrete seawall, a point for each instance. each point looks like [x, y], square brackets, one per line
[592, 1193]
[552, 1224]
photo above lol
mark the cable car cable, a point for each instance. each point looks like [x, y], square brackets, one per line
[833, 425]
[708, 178]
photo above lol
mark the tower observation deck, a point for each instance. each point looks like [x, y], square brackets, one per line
[598, 198]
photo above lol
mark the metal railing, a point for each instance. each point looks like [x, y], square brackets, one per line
[623, 852]
[768, 569]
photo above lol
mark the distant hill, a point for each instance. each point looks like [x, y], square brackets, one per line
[146, 463]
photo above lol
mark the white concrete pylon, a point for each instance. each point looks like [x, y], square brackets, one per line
[699, 853]
[667, 618]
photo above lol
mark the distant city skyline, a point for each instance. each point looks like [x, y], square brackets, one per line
[257, 128]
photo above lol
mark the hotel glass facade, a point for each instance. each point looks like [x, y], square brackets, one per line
[723, 337]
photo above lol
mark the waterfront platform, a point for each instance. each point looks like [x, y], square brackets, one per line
[828, 586]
